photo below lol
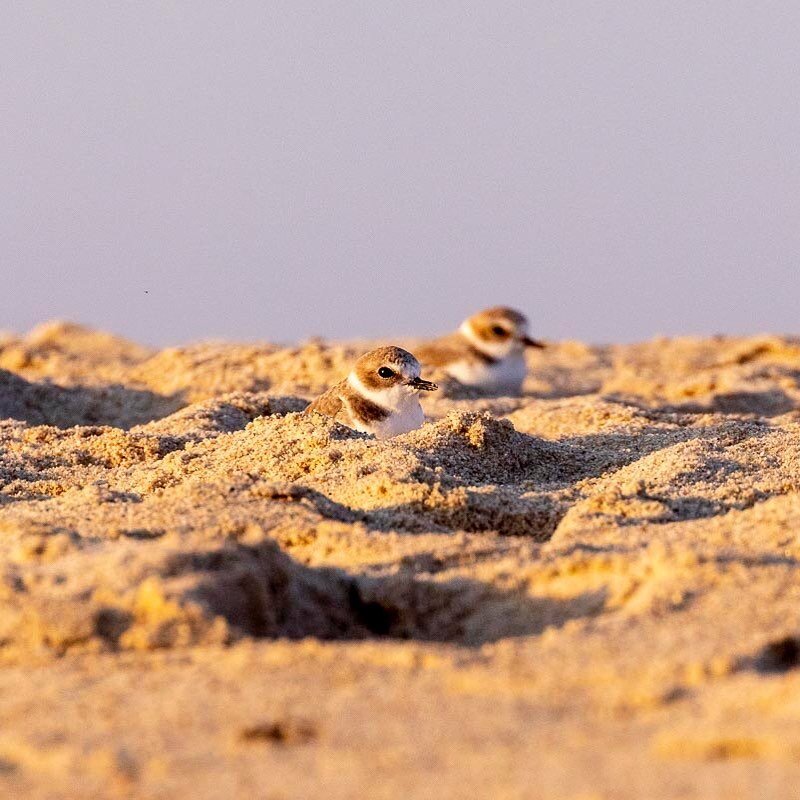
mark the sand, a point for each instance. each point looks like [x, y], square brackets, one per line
[588, 591]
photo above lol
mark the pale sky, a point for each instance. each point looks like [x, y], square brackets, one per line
[276, 170]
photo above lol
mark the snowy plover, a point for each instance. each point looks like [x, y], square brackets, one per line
[486, 352]
[379, 396]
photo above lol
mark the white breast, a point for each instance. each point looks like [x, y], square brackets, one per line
[407, 417]
[505, 375]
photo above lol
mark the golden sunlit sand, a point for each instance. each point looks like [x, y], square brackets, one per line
[589, 591]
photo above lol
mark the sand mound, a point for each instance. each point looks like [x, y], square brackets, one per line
[606, 565]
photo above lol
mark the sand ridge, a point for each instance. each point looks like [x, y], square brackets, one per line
[594, 584]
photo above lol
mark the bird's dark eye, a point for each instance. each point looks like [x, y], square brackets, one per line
[385, 372]
[500, 331]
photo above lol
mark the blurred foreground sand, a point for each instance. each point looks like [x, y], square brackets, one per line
[590, 591]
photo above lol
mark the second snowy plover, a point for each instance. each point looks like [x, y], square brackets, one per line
[380, 395]
[486, 352]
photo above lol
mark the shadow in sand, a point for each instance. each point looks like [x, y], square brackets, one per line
[767, 403]
[261, 591]
[779, 655]
[46, 403]
[599, 453]
[491, 509]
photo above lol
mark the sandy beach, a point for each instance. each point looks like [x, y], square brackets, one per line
[590, 591]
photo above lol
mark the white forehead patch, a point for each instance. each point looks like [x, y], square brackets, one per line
[409, 369]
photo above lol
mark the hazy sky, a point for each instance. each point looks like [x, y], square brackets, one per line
[275, 170]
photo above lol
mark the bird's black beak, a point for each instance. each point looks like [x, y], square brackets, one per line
[421, 385]
[528, 342]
